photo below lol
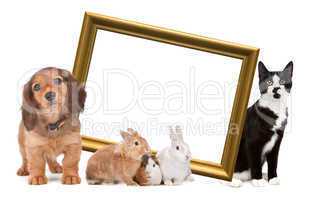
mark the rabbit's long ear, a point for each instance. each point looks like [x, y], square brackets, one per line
[125, 135]
[132, 131]
[173, 135]
[179, 132]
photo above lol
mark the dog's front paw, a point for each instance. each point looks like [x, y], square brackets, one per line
[56, 169]
[258, 182]
[274, 181]
[37, 180]
[22, 171]
[70, 180]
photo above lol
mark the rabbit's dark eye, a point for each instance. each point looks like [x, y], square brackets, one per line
[154, 165]
[136, 143]
[36, 87]
[177, 147]
[57, 81]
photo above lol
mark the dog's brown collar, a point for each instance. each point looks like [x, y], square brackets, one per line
[56, 126]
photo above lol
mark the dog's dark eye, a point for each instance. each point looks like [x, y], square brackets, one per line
[177, 147]
[136, 143]
[57, 81]
[36, 87]
[154, 165]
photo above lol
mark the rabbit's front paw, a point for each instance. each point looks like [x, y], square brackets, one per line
[190, 178]
[177, 182]
[168, 182]
[132, 183]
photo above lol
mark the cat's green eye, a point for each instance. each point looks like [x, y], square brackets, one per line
[269, 82]
[281, 82]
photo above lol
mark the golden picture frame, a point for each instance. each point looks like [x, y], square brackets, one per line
[93, 22]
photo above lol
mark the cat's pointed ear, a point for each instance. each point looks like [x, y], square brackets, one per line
[289, 69]
[263, 71]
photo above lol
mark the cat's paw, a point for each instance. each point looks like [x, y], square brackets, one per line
[236, 183]
[258, 182]
[274, 181]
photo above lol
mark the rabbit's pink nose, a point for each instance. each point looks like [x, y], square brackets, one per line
[148, 150]
[187, 157]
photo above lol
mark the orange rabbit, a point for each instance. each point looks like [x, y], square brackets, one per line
[119, 162]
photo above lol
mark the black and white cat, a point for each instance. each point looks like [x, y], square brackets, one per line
[264, 128]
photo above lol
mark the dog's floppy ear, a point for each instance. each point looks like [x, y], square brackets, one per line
[76, 93]
[82, 96]
[29, 116]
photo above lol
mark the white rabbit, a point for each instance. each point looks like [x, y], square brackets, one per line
[175, 160]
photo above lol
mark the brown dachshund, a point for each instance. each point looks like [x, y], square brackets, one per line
[52, 101]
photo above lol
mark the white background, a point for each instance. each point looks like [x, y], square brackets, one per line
[45, 33]
[148, 86]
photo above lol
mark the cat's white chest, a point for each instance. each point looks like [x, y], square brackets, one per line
[269, 145]
[280, 109]
[282, 117]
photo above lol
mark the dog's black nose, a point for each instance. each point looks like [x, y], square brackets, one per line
[50, 96]
[275, 90]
